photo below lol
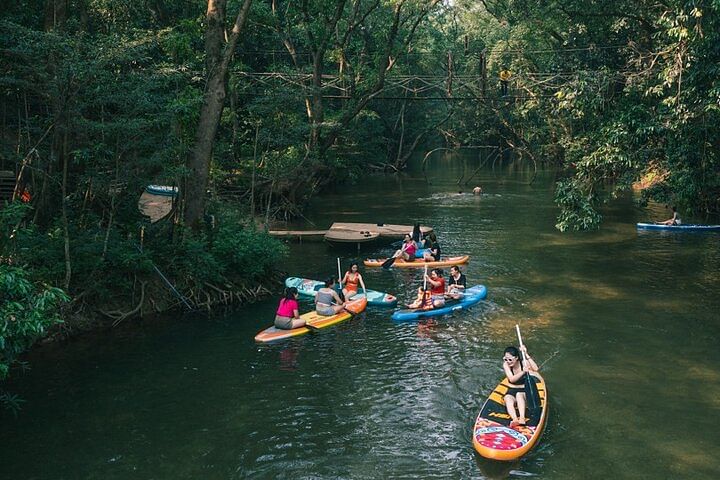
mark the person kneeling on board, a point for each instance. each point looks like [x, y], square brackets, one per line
[287, 316]
[515, 372]
[327, 301]
[435, 297]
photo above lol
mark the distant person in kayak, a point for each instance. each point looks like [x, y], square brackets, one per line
[675, 220]
[350, 281]
[515, 371]
[434, 296]
[407, 251]
[477, 190]
[432, 254]
[327, 301]
[287, 316]
[457, 283]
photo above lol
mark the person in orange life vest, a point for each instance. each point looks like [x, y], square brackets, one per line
[350, 281]
[435, 298]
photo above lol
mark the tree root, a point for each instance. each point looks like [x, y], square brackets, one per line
[118, 316]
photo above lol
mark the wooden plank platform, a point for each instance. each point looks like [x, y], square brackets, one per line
[349, 236]
[385, 230]
[299, 235]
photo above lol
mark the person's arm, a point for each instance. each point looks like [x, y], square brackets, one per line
[362, 283]
[530, 365]
[345, 278]
[337, 297]
[296, 313]
[432, 282]
[512, 377]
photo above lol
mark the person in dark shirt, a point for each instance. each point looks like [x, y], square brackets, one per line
[457, 283]
[432, 254]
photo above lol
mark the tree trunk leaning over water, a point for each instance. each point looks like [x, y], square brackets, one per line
[218, 60]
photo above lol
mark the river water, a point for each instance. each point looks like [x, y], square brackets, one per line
[625, 324]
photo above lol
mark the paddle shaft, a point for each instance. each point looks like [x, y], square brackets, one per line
[530, 386]
[339, 274]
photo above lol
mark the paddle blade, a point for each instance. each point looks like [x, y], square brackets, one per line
[388, 263]
[533, 396]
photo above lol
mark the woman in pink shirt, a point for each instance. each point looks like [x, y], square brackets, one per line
[287, 316]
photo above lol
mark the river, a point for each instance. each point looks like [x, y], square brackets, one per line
[624, 323]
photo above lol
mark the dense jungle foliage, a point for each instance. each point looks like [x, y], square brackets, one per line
[251, 107]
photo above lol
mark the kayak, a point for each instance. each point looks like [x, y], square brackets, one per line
[449, 261]
[164, 190]
[472, 296]
[308, 288]
[492, 436]
[678, 228]
[420, 252]
[273, 334]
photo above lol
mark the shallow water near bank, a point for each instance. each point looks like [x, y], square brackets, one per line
[625, 322]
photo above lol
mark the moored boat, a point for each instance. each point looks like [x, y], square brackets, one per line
[313, 319]
[447, 262]
[472, 296]
[308, 288]
[492, 435]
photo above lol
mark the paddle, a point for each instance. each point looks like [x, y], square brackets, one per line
[530, 386]
[339, 274]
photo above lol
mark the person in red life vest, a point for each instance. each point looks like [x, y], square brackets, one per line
[351, 280]
[434, 296]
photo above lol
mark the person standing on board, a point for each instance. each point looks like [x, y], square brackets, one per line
[515, 372]
[457, 283]
[327, 301]
[287, 316]
[350, 281]
[675, 220]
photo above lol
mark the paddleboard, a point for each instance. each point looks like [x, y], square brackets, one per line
[678, 228]
[492, 436]
[472, 296]
[308, 288]
[273, 334]
[400, 263]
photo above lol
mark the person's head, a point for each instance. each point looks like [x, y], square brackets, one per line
[354, 267]
[408, 238]
[291, 293]
[511, 355]
[432, 237]
[329, 282]
[455, 270]
[435, 273]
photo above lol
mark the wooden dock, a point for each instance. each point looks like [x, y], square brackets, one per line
[350, 233]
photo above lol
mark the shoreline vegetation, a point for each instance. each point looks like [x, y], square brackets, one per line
[252, 108]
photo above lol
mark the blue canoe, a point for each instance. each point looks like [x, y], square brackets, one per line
[472, 296]
[307, 288]
[678, 228]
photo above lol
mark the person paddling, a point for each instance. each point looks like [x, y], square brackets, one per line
[515, 372]
[407, 251]
[351, 280]
[287, 316]
[435, 298]
[327, 301]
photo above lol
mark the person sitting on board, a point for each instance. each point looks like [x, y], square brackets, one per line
[407, 251]
[457, 283]
[675, 220]
[350, 281]
[287, 316]
[477, 190]
[327, 301]
[436, 282]
[515, 372]
[432, 254]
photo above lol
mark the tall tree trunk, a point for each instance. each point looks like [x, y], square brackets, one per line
[218, 60]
